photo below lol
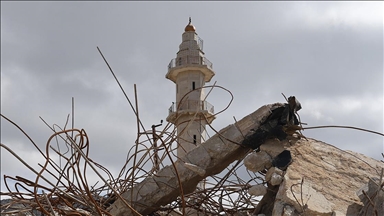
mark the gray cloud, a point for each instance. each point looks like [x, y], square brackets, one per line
[330, 55]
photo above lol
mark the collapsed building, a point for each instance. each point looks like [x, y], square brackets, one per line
[319, 179]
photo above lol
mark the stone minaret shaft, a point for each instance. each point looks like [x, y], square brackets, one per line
[189, 71]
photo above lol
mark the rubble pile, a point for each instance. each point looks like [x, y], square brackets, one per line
[207, 159]
[302, 176]
[320, 180]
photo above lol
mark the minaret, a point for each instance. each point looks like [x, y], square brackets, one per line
[189, 71]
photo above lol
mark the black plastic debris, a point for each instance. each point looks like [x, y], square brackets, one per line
[282, 160]
[275, 125]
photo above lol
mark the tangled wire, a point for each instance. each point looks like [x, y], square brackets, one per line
[62, 186]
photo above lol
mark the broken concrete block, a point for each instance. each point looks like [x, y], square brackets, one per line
[273, 147]
[305, 199]
[276, 179]
[375, 203]
[257, 190]
[149, 186]
[199, 157]
[200, 171]
[257, 161]
[283, 209]
[271, 171]
[331, 178]
[289, 211]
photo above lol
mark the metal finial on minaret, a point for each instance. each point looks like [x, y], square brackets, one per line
[190, 27]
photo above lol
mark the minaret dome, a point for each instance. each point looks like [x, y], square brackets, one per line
[190, 27]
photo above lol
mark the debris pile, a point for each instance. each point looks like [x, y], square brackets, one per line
[321, 180]
[288, 175]
[213, 157]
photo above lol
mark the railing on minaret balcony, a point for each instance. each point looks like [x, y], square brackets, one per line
[192, 105]
[189, 60]
[200, 43]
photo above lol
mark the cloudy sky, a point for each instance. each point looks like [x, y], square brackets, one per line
[328, 54]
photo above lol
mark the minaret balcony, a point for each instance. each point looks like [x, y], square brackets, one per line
[190, 107]
[181, 64]
[189, 60]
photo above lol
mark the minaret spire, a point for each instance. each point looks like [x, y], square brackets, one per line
[189, 21]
